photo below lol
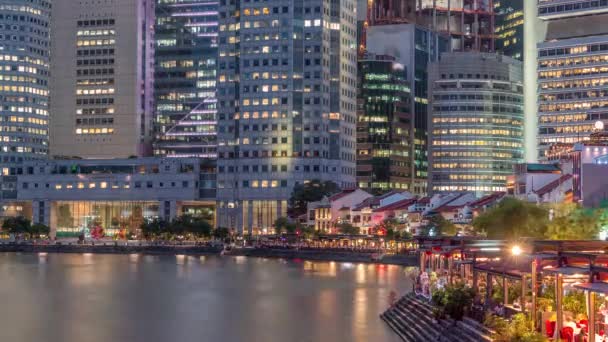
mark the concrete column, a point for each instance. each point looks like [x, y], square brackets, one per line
[173, 209]
[279, 208]
[51, 212]
[249, 217]
[162, 207]
[36, 211]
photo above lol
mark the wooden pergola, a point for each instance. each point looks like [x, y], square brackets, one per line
[583, 264]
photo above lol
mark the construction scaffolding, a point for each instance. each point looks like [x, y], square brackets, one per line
[469, 23]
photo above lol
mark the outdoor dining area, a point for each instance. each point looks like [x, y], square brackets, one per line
[561, 285]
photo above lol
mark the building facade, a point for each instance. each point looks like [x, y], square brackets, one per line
[476, 122]
[24, 91]
[286, 104]
[71, 196]
[185, 78]
[468, 23]
[572, 71]
[509, 28]
[385, 144]
[414, 47]
[102, 78]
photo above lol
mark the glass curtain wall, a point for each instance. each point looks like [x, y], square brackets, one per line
[73, 217]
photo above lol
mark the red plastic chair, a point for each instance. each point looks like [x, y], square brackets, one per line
[550, 328]
[567, 334]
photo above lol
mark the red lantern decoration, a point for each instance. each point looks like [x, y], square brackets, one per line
[428, 253]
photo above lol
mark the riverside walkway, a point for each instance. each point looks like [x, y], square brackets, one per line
[123, 247]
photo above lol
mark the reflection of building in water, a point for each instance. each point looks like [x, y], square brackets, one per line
[118, 194]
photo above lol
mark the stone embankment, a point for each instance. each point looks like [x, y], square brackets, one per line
[285, 253]
[111, 248]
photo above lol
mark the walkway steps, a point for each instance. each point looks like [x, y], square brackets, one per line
[412, 319]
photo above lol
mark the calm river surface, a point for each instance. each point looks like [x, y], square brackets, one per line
[116, 298]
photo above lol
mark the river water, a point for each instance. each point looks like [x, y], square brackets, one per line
[116, 298]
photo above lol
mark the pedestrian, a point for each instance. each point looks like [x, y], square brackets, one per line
[392, 298]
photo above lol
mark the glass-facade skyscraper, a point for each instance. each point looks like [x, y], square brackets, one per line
[186, 47]
[414, 47]
[509, 27]
[476, 122]
[24, 92]
[384, 126]
[572, 71]
[286, 104]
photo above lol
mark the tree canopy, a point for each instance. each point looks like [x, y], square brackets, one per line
[512, 219]
[221, 233]
[347, 229]
[282, 224]
[439, 226]
[571, 222]
[154, 227]
[311, 191]
[16, 225]
[38, 229]
[181, 225]
[21, 225]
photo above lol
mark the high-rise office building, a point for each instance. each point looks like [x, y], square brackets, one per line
[509, 27]
[102, 79]
[24, 92]
[385, 146]
[572, 70]
[414, 47]
[185, 78]
[476, 121]
[286, 104]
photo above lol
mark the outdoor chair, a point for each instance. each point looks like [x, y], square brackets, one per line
[550, 328]
[567, 334]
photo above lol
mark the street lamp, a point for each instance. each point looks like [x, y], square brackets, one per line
[516, 250]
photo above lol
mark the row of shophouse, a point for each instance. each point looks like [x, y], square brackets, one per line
[368, 212]
[571, 173]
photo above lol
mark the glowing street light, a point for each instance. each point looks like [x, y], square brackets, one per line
[516, 250]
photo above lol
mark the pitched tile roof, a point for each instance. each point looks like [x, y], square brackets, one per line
[401, 204]
[487, 199]
[341, 194]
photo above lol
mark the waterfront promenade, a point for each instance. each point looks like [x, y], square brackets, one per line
[286, 252]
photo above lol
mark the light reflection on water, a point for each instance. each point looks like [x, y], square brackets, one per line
[78, 297]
